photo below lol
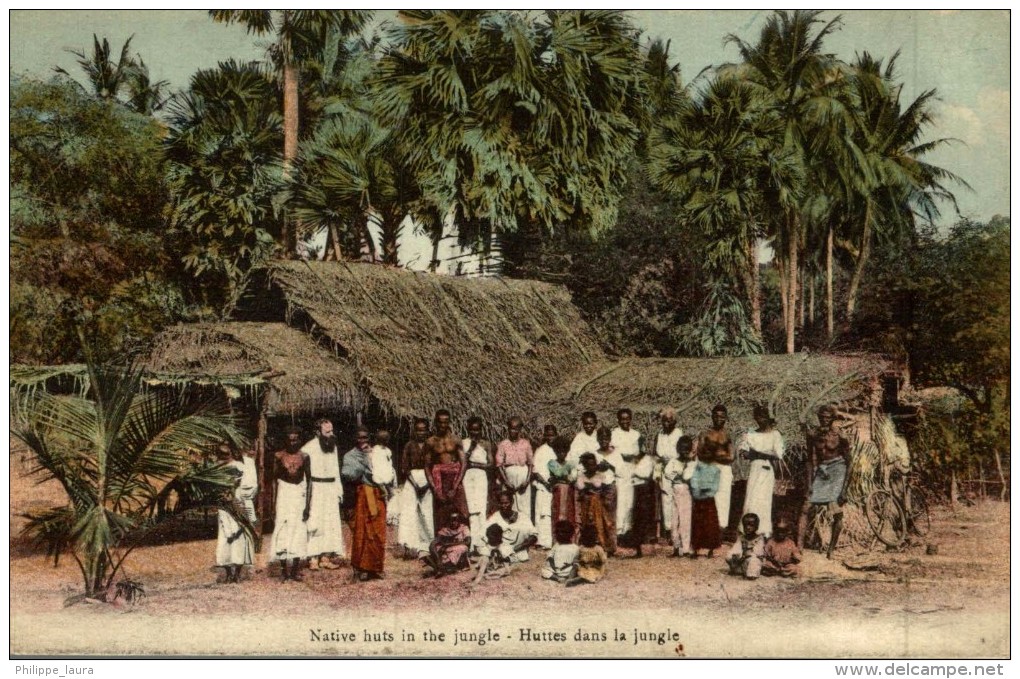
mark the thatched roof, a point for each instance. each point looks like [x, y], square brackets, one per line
[794, 385]
[303, 375]
[420, 342]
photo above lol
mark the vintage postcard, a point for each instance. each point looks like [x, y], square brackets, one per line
[509, 334]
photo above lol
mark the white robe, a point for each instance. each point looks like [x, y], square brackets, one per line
[582, 443]
[416, 528]
[476, 490]
[665, 450]
[290, 537]
[761, 479]
[325, 529]
[514, 534]
[624, 443]
[543, 497]
[233, 547]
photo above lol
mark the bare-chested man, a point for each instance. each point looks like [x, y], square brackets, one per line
[293, 476]
[447, 464]
[716, 447]
[827, 475]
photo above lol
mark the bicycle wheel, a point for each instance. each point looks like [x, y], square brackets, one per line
[919, 519]
[886, 518]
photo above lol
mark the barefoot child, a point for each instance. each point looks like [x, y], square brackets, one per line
[561, 564]
[448, 553]
[495, 560]
[782, 556]
[748, 551]
[591, 558]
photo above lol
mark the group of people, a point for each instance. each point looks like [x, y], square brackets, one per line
[464, 502]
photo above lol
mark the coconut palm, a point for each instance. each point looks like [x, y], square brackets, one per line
[889, 184]
[106, 77]
[788, 65]
[128, 459]
[144, 96]
[297, 33]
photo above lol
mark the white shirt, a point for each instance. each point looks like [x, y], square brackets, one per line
[665, 444]
[543, 456]
[644, 469]
[676, 471]
[381, 459]
[479, 455]
[582, 443]
[249, 479]
[626, 442]
[769, 442]
[514, 534]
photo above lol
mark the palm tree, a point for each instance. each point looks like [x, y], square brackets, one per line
[106, 78]
[223, 158]
[297, 33]
[788, 65]
[724, 158]
[888, 182]
[512, 118]
[144, 96]
[119, 451]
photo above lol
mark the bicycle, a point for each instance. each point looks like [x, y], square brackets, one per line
[898, 510]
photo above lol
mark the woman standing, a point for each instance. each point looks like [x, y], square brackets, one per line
[763, 447]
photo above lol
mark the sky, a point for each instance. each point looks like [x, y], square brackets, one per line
[964, 55]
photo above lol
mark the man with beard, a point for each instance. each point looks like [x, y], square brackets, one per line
[447, 466]
[368, 547]
[416, 527]
[293, 501]
[325, 539]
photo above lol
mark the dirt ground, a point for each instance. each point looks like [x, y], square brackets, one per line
[908, 603]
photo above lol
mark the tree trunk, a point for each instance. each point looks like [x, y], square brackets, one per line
[783, 287]
[333, 250]
[1002, 477]
[862, 259]
[290, 146]
[389, 225]
[791, 265]
[436, 237]
[811, 301]
[954, 489]
[800, 320]
[369, 243]
[755, 291]
[829, 325]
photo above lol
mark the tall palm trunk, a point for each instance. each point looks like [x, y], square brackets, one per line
[389, 225]
[802, 310]
[811, 301]
[862, 259]
[290, 146]
[791, 266]
[829, 325]
[754, 289]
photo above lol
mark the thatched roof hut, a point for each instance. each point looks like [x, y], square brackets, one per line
[792, 385]
[418, 342]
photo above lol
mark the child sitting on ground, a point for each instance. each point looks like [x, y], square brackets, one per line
[591, 558]
[561, 565]
[746, 556]
[782, 555]
[495, 558]
[448, 552]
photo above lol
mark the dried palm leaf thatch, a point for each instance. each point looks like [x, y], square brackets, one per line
[301, 375]
[790, 384]
[419, 342]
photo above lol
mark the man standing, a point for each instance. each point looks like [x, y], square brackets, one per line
[416, 528]
[477, 480]
[514, 462]
[293, 502]
[828, 475]
[665, 451]
[715, 447]
[447, 465]
[543, 490]
[586, 440]
[368, 547]
[626, 443]
[325, 537]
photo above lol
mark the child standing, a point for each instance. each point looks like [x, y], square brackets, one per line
[561, 565]
[678, 473]
[748, 551]
[591, 509]
[782, 556]
[383, 473]
[705, 530]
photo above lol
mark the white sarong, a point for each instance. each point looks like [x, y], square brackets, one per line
[290, 537]
[325, 529]
[233, 548]
[760, 483]
[476, 488]
[416, 528]
[722, 496]
[518, 475]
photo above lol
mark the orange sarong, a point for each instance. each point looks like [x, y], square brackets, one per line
[368, 548]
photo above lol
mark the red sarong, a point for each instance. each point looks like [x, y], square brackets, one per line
[563, 503]
[591, 511]
[368, 548]
[705, 531]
